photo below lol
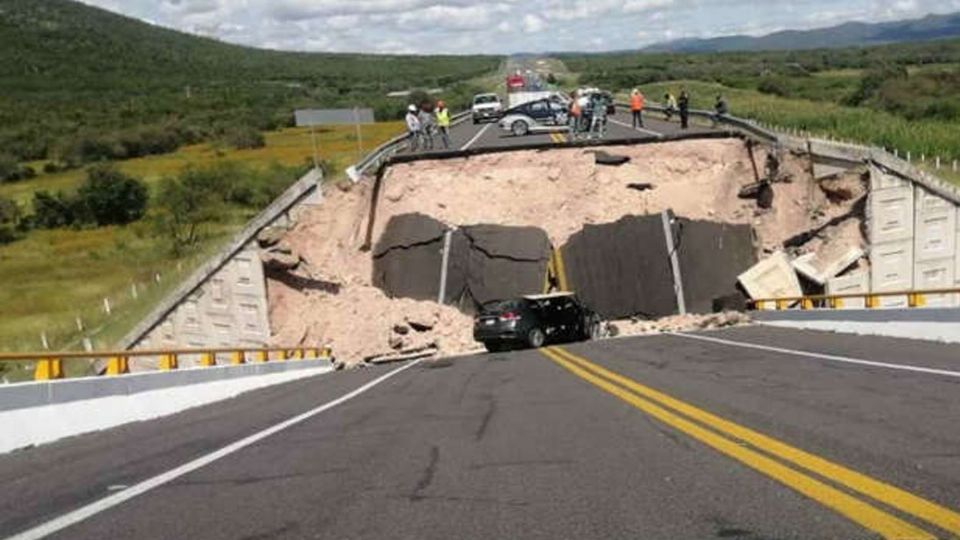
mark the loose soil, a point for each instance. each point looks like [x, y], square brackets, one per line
[558, 190]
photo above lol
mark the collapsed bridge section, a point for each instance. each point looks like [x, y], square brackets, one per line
[647, 266]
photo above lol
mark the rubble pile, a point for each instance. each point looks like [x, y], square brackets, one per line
[320, 281]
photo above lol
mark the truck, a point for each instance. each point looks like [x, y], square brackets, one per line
[525, 88]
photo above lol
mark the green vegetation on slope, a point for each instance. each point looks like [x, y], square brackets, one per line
[903, 96]
[51, 277]
[81, 83]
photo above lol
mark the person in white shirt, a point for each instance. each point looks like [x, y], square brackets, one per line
[413, 128]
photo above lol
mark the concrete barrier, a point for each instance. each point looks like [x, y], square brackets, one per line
[932, 324]
[41, 412]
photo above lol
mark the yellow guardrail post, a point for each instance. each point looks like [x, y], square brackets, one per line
[806, 303]
[168, 362]
[871, 301]
[238, 358]
[282, 355]
[208, 359]
[48, 369]
[835, 303]
[326, 352]
[117, 365]
[263, 356]
[781, 304]
[916, 300]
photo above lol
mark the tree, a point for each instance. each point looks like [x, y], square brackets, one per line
[184, 205]
[109, 197]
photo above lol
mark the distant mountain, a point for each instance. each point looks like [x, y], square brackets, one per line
[845, 35]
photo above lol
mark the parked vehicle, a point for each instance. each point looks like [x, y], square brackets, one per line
[486, 107]
[546, 114]
[533, 321]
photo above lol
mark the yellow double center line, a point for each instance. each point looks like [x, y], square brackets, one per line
[758, 451]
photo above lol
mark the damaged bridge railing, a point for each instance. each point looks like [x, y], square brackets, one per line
[748, 127]
[387, 149]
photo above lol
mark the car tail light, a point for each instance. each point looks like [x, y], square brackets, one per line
[510, 316]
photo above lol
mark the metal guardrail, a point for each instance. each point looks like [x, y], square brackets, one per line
[49, 365]
[374, 158]
[871, 300]
[736, 122]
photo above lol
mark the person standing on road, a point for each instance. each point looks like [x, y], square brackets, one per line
[720, 109]
[575, 113]
[684, 105]
[443, 123]
[637, 103]
[427, 125]
[671, 103]
[413, 128]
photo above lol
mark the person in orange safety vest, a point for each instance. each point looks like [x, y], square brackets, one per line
[637, 103]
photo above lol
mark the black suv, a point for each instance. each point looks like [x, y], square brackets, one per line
[533, 321]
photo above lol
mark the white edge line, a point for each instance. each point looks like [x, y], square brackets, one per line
[831, 357]
[475, 137]
[629, 126]
[96, 507]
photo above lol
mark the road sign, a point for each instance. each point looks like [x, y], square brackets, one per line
[333, 117]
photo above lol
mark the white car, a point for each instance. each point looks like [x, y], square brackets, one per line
[486, 107]
[536, 117]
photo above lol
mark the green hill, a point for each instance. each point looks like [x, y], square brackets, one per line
[75, 77]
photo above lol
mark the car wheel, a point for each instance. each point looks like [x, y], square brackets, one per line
[519, 128]
[536, 338]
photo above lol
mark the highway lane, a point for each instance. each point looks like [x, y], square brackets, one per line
[518, 445]
[467, 135]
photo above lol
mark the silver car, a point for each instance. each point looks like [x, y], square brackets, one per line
[537, 116]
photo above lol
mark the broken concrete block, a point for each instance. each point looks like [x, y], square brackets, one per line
[826, 262]
[604, 158]
[823, 170]
[855, 283]
[282, 262]
[772, 277]
[270, 236]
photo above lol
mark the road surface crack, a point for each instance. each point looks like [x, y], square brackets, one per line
[427, 477]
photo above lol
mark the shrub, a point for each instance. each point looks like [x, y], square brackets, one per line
[109, 197]
[53, 210]
[245, 138]
[10, 219]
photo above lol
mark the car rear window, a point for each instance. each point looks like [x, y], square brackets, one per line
[500, 306]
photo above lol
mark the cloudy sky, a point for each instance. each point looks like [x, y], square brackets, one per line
[500, 26]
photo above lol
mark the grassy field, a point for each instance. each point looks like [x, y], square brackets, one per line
[51, 277]
[337, 146]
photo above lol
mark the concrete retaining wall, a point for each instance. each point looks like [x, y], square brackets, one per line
[224, 302]
[913, 234]
[932, 324]
[40, 412]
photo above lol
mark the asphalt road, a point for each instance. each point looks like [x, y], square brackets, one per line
[670, 437]
[467, 135]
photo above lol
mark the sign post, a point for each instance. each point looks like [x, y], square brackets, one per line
[333, 117]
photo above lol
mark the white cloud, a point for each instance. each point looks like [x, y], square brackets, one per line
[532, 23]
[500, 26]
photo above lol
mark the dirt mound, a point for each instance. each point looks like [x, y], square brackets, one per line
[333, 301]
